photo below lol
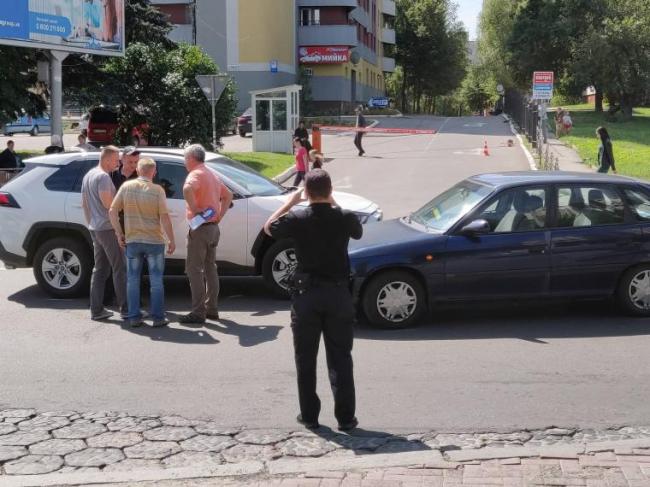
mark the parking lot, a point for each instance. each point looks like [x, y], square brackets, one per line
[469, 368]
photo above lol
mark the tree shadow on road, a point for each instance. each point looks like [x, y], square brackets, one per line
[529, 322]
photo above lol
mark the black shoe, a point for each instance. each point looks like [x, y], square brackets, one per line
[212, 316]
[307, 424]
[135, 323]
[160, 323]
[361, 153]
[191, 319]
[350, 425]
[102, 315]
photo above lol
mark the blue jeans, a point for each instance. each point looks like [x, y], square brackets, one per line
[135, 255]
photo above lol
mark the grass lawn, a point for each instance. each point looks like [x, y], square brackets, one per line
[268, 163]
[631, 139]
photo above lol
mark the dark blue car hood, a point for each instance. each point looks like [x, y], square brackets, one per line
[384, 237]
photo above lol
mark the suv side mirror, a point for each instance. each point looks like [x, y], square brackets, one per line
[475, 228]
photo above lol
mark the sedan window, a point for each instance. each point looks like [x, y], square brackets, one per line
[588, 206]
[516, 210]
[639, 203]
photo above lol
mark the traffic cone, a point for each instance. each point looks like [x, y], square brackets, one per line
[486, 151]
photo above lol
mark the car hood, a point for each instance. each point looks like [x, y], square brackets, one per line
[347, 201]
[384, 237]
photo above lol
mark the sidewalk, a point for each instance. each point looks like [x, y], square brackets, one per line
[110, 448]
[569, 159]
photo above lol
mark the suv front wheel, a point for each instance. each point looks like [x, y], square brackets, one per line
[279, 266]
[62, 267]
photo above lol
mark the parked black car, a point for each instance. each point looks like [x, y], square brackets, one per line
[509, 236]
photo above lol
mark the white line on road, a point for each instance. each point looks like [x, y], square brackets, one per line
[433, 137]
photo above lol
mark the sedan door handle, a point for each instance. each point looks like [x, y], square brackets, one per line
[536, 249]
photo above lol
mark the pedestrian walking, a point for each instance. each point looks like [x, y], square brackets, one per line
[605, 151]
[316, 158]
[567, 122]
[302, 161]
[559, 123]
[322, 303]
[97, 193]
[302, 134]
[360, 124]
[145, 217]
[207, 201]
[128, 166]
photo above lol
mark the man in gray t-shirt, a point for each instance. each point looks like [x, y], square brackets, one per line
[97, 192]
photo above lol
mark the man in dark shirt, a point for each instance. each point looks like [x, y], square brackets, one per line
[127, 169]
[361, 123]
[322, 302]
[302, 134]
[8, 157]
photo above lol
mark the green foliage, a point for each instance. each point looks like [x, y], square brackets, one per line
[479, 89]
[159, 86]
[432, 52]
[18, 84]
[270, 164]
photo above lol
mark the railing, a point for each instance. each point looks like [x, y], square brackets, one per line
[525, 113]
[7, 174]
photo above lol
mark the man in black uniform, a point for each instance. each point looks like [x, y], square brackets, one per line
[322, 302]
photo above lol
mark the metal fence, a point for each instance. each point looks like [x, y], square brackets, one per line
[531, 120]
[7, 174]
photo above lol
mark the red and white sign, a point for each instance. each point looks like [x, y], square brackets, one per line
[543, 85]
[543, 78]
[323, 54]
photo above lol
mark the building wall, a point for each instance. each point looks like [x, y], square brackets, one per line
[267, 31]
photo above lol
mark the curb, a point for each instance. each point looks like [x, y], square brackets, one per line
[529, 156]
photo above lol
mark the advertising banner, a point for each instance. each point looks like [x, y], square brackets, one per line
[324, 54]
[543, 85]
[85, 26]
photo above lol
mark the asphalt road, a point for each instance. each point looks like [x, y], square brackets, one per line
[468, 369]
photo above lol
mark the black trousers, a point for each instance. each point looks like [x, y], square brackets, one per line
[357, 141]
[325, 309]
[300, 176]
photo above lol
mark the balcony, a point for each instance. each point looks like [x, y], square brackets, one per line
[388, 7]
[327, 3]
[182, 33]
[388, 36]
[361, 16]
[327, 35]
[388, 64]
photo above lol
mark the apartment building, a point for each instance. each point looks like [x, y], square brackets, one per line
[343, 46]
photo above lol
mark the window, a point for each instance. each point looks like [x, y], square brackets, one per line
[171, 176]
[263, 114]
[309, 16]
[68, 178]
[279, 115]
[639, 203]
[516, 210]
[587, 206]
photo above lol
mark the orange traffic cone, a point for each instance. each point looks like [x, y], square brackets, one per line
[486, 151]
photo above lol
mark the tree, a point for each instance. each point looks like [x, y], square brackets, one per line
[18, 84]
[158, 86]
[478, 89]
[431, 51]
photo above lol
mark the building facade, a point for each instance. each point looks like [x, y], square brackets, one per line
[342, 47]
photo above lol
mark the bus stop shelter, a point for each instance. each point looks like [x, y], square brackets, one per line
[276, 114]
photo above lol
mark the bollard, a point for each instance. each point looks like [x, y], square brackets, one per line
[315, 138]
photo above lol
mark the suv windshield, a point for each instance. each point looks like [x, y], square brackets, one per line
[247, 178]
[444, 210]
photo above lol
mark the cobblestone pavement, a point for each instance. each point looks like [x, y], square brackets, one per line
[68, 442]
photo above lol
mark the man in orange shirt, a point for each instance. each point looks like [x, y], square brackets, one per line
[203, 191]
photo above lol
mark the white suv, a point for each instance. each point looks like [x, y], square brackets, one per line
[42, 224]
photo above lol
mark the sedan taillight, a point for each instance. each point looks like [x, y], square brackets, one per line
[8, 201]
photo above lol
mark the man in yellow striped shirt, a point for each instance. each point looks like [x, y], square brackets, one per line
[145, 216]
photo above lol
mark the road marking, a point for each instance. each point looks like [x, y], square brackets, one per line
[475, 124]
[434, 135]
[469, 152]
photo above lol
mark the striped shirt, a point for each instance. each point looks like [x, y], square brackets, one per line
[143, 203]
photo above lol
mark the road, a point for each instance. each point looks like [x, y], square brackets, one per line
[468, 369]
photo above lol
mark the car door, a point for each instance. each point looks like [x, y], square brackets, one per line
[512, 259]
[592, 241]
[171, 176]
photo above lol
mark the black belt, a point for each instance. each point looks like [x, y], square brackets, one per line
[209, 223]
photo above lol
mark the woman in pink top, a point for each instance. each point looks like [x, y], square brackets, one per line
[302, 161]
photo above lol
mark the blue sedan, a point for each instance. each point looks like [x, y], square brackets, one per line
[507, 236]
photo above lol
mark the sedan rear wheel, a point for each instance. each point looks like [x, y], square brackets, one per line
[394, 299]
[634, 290]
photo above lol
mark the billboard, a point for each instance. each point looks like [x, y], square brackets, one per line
[324, 54]
[86, 26]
